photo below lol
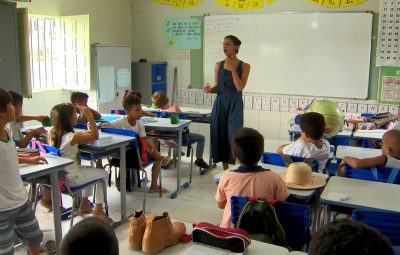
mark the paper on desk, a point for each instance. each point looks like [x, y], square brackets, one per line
[148, 120]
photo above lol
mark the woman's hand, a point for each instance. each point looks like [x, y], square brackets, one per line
[230, 65]
[207, 88]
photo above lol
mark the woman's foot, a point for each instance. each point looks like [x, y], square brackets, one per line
[201, 163]
[83, 211]
[166, 161]
[157, 189]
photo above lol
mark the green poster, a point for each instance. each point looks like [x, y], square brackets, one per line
[389, 85]
[183, 33]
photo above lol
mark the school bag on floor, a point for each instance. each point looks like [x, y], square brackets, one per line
[259, 219]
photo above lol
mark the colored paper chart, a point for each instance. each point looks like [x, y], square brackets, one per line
[184, 33]
[180, 3]
[337, 3]
[389, 85]
[244, 5]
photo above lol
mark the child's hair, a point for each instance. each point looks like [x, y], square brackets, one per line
[235, 41]
[313, 125]
[90, 236]
[160, 99]
[393, 140]
[130, 99]
[78, 96]
[60, 116]
[349, 237]
[16, 98]
[247, 146]
[5, 99]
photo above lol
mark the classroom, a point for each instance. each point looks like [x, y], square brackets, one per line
[323, 56]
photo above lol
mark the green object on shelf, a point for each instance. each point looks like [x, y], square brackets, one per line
[174, 118]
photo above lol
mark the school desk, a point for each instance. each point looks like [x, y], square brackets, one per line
[55, 164]
[360, 194]
[295, 130]
[370, 134]
[301, 194]
[163, 129]
[255, 248]
[357, 152]
[108, 144]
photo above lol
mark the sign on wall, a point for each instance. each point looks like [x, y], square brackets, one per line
[184, 33]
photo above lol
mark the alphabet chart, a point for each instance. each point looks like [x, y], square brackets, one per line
[388, 48]
[389, 85]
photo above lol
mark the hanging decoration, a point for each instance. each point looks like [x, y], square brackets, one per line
[180, 3]
[337, 3]
[245, 5]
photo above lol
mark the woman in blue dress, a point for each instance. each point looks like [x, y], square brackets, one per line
[227, 114]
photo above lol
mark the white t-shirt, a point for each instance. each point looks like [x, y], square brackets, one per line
[123, 123]
[12, 191]
[69, 151]
[302, 148]
[392, 162]
[15, 130]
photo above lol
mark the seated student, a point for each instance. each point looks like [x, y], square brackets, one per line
[161, 101]
[310, 144]
[249, 179]
[16, 215]
[90, 236]
[14, 127]
[344, 236]
[81, 99]
[133, 110]
[63, 137]
[390, 154]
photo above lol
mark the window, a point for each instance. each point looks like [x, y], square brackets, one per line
[59, 52]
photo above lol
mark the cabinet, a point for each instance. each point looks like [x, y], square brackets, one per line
[9, 64]
[149, 77]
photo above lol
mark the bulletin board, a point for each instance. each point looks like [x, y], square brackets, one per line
[389, 85]
[311, 54]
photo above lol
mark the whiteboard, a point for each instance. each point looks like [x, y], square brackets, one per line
[311, 54]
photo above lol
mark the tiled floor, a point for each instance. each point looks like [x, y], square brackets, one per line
[194, 204]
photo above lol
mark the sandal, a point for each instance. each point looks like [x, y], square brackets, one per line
[166, 161]
[51, 247]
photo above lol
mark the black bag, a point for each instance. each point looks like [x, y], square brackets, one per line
[260, 220]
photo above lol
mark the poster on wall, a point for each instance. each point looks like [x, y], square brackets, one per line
[184, 33]
[388, 48]
[389, 85]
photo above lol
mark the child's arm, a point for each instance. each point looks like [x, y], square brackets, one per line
[96, 115]
[280, 149]
[364, 163]
[221, 204]
[87, 136]
[33, 161]
[24, 118]
[23, 143]
[108, 124]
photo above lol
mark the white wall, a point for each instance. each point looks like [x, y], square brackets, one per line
[110, 23]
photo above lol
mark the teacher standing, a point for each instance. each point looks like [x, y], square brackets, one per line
[227, 114]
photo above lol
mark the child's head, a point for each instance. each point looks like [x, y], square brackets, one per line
[159, 99]
[349, 237]
[17, 102]
[247, 146]
[131, 104]
[63, 118]
[90, 236]
[6, 109]
[79, 98]
[391, 143]
[312, 125]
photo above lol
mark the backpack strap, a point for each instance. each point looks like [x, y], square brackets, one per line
[249, 169]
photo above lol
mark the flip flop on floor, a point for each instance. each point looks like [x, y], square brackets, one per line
[157, 190]
[166, 161]
[51, 247]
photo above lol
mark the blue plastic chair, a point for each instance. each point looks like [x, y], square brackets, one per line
[134, 145]
[74, 192]
[277, 159]
[378, 173]
[388, 223]
[295, 220]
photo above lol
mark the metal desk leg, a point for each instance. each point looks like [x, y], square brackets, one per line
[122, 180]
[315, 218]
[56, 208]
[179, 169]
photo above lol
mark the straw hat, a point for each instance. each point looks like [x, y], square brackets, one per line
[299, 176]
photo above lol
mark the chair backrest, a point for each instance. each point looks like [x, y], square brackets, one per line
[295, 219]
[117, 111]
[378, 173]
[81, 125]
[125, 132]
[277, 159]
[388, 223]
